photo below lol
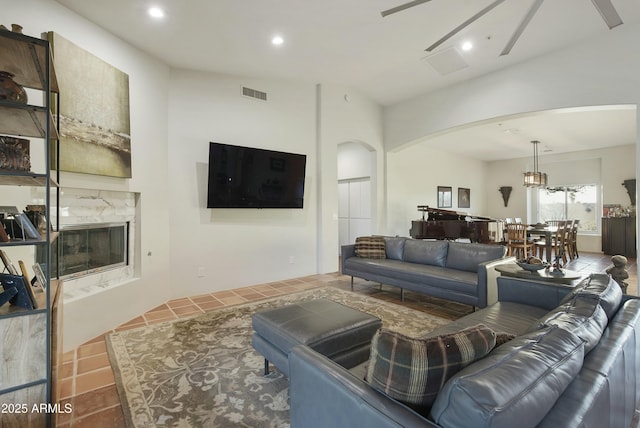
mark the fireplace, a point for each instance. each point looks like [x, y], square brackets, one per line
[84, 249]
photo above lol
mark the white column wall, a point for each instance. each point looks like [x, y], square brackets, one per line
[344, 119]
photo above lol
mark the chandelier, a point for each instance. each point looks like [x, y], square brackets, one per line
[535, 178]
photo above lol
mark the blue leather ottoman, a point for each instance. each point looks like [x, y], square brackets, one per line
[334, 330]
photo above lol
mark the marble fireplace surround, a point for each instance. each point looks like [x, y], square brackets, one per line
[86, 206]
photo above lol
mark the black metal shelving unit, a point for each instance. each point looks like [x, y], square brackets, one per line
[28, 375]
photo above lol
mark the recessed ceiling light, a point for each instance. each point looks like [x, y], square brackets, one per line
[156, 12]
[277, 40]
[467, 46]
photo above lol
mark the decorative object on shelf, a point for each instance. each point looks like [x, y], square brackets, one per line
[37, 216]
[535, 178]
[506, 192]
[39, 275]
[464, 197]
[16, 28]
[630, 185]
[10, 90]
[557, 264]
[24, 297]
[444, 197]
[19, 227]
[7, 295]
[619, 271]
[14, 154]
[94, 112]
[8, 265]
[532, 264]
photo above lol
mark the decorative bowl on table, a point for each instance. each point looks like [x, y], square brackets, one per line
[533, 267]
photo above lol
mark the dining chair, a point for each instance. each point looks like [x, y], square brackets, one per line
[573, 241]
[557, 241]
[518, 244]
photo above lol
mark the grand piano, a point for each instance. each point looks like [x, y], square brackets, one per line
[445, 224]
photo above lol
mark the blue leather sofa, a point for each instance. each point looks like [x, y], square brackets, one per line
[565, 367]
[449, 270]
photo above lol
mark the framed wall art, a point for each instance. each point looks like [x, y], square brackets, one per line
[444, 197]
[464, 197]
[95, 130]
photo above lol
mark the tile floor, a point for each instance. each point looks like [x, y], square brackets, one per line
[87, 380]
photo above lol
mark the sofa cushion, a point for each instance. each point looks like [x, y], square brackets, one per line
[413, 276]
[582, 316]
[413, 370]
[370, 247]
[518, 382]
[394, 247]
[432, 253]
[467, 257]
[600, 287]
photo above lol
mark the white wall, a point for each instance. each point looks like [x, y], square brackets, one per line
[413, 176]
[236, 247]
[601, 71]
[148, 79]
[355, 160]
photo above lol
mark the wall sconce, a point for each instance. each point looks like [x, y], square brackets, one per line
[506, 192]
[630, 185]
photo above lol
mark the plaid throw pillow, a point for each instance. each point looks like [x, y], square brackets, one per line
[370, 247]
[413, 370]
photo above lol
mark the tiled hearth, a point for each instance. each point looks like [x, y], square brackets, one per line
[88, 381]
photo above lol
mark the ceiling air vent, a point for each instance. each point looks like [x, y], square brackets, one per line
[446, 61]
[254, 93]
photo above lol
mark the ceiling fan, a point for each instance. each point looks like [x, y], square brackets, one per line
[605, 7]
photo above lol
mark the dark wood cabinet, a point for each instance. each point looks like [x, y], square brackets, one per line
[619, 236]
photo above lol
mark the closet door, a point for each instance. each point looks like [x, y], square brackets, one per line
[354, 211]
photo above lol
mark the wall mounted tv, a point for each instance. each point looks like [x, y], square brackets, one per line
[245, 177]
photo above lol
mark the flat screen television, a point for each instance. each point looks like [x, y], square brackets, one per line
[246, 177]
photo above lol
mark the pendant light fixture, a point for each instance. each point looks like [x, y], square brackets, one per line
[535, 178]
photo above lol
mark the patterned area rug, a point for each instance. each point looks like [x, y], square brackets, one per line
[203, 371]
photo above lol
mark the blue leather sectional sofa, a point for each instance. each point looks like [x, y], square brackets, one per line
[455, 271]
[574, 362]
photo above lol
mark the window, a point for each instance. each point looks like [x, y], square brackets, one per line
[570, 202]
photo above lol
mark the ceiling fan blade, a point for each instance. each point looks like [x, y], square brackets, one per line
[402, 7]
[525, 21]
[608, 12]
[463, 25]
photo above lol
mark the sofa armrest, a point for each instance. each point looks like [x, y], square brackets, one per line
[325, 394]
[544, 295]
[346, 252]
[487, 278]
